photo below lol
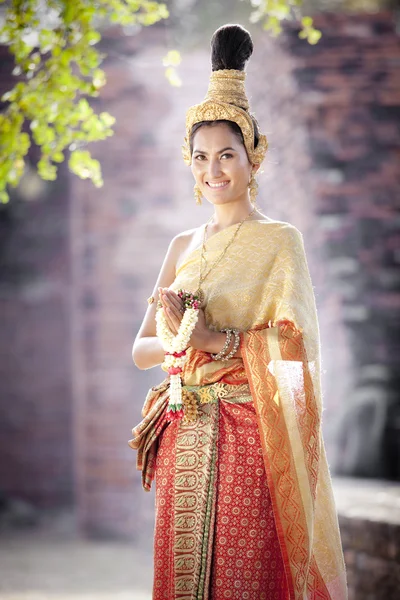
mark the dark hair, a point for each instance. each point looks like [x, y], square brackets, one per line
[231, 48]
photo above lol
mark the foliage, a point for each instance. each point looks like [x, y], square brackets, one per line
[58, 68]
[271, 13]
[172, 60]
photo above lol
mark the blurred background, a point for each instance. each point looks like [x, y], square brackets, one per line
[78, 263]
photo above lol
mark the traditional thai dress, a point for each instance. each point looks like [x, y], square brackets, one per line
[244, 503]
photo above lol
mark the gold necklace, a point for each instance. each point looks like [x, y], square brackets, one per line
[200, 293]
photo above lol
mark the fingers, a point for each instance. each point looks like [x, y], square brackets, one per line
[171, 306]
[174, 318]
[169, 320]
[173, 298]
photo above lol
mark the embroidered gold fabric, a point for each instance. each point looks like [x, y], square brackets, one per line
[263, 277]
[226, 100]
[194, 478]
[194, 396]
[227, 85]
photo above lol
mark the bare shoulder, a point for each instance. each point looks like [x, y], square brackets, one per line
[179, 242]
[185, 242]
[185, 237]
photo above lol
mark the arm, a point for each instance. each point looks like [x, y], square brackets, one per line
[203, 338]
[147, 351]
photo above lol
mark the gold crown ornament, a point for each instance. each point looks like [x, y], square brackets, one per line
[226, 100]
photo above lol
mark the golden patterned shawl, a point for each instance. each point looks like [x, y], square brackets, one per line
[263, 287]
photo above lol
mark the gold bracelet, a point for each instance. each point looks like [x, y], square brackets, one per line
[225, 347]
[236, 343]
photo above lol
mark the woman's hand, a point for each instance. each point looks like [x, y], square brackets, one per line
[172, 307]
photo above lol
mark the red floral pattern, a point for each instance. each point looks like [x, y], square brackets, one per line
[246, 560]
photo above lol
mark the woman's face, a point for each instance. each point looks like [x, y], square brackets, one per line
[220, 164]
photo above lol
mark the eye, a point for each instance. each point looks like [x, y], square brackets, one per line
[199, 157]
[227, 154]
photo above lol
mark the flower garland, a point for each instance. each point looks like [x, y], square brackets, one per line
[175, 347]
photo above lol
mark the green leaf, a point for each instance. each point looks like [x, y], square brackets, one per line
[314, 36]
[46, 170]
[84, 109]
[93, 37]
[82, 164]
[272, 24]
[306, 21]
[47, 39]
[8, 96]
[4, 197]
[172, 59]
[99, 78]
[173, 77]
[107, 119]
[57, 157]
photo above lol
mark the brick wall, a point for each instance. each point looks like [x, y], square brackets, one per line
[35, 375]
[120, 234]
[348, 88]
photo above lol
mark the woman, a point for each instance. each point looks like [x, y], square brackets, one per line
[244, 504]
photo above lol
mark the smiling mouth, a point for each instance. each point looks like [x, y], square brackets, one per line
[217, 186]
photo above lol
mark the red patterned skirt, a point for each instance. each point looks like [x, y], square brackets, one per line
[215, 534]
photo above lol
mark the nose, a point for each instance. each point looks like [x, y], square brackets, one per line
[214, 168]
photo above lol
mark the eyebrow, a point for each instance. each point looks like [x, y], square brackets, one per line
[219, 151]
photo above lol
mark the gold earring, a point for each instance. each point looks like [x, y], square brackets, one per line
[197, 194]
[253, 187]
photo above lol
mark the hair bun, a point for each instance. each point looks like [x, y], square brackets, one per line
[231, 48]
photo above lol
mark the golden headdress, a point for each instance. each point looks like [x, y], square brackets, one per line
[226, 100]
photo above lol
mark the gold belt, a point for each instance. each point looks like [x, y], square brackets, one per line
[195, 395]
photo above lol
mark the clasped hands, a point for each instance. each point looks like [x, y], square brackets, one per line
[172, 307]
